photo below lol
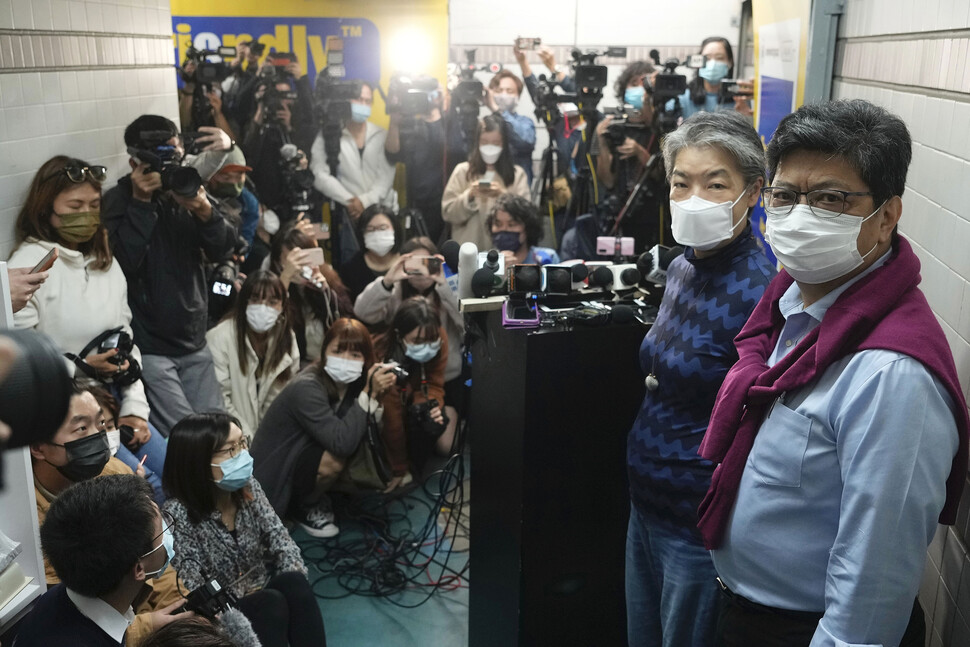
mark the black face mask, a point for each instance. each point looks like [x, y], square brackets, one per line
[86, 457]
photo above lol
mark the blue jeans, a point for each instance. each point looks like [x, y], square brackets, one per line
[155, 450]
[671, 591]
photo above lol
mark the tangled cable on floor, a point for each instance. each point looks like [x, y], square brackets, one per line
[381, 553]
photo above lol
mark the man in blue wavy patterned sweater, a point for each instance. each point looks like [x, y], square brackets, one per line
[715, 165]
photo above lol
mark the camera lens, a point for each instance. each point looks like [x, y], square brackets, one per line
[182, 180]
[37, 391]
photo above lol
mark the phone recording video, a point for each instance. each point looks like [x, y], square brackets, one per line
[422, 266]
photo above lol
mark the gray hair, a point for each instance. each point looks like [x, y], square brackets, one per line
[726, 130]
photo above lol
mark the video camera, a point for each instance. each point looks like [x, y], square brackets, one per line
[209, 600]
[669, 85]
[153, 149]
[297, 181]
[410, 97]
[591, 78]
[620, 127]
[208, 72]
[468, 95]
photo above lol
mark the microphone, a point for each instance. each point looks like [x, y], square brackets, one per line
[467, 265]
[482, 282]
[653, 264]
[625, 314]
[655, 56]
[601, 277]
[450, 250]
[579, 272]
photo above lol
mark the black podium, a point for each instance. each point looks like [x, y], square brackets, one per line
[550, 411]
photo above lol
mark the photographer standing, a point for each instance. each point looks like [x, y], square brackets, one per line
[502, 97]
[364, 176]
[428, 149]
[703, 94]
[623, 149]
[281, 120]
[161, 239]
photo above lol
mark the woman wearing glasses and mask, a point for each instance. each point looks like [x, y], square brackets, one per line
[715, 166]
[85, 295]
[226, 528]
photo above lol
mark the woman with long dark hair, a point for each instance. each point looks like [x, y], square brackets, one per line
[414, 423]
[254, 350]
[474, 185]
[226, 529]
[317, 295]
[86, 293]
[316, 424]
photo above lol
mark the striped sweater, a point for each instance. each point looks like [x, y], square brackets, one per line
[689, 349]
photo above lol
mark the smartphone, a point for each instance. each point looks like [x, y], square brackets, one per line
[45, 263]
[320, 231]
[527, 43]
[422, 266]
[315, 256]
[486, 181]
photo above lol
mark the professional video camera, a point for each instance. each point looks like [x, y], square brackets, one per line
[620, 127]
[591, 78]
[468, 95]
[153, 149]
[669, 85]
[410, 97]
[297, 181]
[206, 74]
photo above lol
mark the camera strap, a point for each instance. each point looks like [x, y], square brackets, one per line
[122, 378]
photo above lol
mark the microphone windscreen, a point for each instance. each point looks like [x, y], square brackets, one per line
[669, 255]
[623, 314]
[579, 272]
[483, 280]
[630, 276]
[601, 277]
[449, 249]
[467, 264]
[645, 263]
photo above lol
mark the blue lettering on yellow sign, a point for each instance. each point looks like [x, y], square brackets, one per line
[305, 37]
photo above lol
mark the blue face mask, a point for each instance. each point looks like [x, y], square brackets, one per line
[236, 471]
[713, 71]
[506, 241]
[168, 545]
[634, 96]
[359, 112]
[422, 353]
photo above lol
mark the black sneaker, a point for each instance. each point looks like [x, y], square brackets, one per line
[318, 520]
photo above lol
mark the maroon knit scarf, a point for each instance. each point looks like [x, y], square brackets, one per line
[885, 310]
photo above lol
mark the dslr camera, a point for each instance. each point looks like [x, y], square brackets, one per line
[163, 158]
[419, 415]
[206, 71]
[209, 600]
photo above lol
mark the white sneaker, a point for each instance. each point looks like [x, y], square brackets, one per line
[318, 520]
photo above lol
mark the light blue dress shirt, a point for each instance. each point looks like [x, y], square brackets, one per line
[842, 490]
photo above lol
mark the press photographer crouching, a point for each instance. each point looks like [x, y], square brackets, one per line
[429, 145]
[162, 226]
[628, 164]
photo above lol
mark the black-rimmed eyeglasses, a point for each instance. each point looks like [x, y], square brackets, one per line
[824, 203]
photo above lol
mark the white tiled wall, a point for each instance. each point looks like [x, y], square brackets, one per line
[73, 74]
[910, 56]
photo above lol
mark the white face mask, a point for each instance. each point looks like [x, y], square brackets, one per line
[379, 242]
[261, 317]
[702, 224]
[815, 250]
[114, 441]
[490, 153]
[343, 371]
[506, 102]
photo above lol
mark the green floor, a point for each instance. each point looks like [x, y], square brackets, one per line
[429, 544]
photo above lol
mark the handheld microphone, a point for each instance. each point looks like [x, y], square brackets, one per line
[653, 264]
[482, 282]
[601, 277]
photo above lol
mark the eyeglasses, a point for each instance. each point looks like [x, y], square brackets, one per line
[371, 230]
[75, 173]
[824, 203]
[234, 448]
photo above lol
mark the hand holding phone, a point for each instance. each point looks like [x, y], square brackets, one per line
[314, 256]
[422, 266]
[45, 263]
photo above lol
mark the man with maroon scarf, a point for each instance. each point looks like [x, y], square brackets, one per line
[841, 433]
